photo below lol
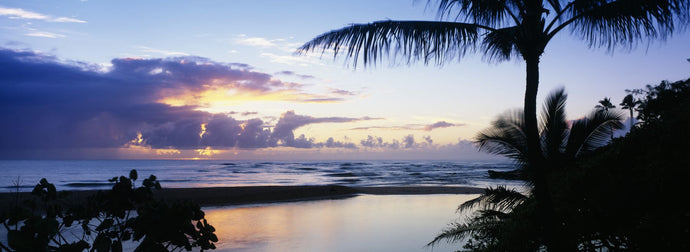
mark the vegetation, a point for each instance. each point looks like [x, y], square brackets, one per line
[562, 144]
[503, 30]
[604, 106]
[50, 222]
[619, 197]
[629, 103]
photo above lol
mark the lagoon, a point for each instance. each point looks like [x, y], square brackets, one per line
[361, 223]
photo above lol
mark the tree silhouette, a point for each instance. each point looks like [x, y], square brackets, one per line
[604, 106]
[504, 29]
[629, 103]
[562, 143]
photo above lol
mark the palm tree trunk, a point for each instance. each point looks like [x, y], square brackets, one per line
[631, 119]
[530, 110]
[536, 159]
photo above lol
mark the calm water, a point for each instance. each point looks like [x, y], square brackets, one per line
[364, 223]
[93, 174]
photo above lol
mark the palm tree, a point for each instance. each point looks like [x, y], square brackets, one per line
[604, 106]
[503, 29]
[561, 142]
[629, 103]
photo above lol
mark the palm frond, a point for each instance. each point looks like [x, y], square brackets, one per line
[554, 127]
[459, 231]
[592, 131]
[556, 5]
[426, 41]
[498, 199]
[626, 22]
[506, 137]
[500, 44]
[492, 12]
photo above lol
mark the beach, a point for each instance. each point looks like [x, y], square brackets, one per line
[223, 196]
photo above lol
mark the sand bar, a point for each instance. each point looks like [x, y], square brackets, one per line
[220, 196]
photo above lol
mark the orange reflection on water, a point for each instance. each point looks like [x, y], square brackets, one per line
[363, 223]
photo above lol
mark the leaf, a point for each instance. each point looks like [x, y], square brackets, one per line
[133, 174]
[106, 224]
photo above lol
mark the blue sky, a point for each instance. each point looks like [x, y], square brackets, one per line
[236, 69]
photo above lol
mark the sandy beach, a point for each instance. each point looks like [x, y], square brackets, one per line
[222, 196]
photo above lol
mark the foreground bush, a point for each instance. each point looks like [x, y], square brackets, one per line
[48, 221]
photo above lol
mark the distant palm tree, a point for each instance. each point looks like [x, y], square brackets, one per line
[562, 143]
[629, 103]
[604, 106]
[504, 29]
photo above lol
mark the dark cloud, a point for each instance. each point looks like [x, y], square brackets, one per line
[246, 113]
[47, 103]
[377, 142]
[408, 141]
[440, 124]
[289, 121]
[331, 143]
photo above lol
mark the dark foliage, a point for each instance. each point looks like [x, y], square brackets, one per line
[627, 196]
[49, 221]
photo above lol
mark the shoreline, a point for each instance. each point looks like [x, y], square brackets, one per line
[244, 195]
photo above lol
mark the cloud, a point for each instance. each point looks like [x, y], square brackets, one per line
[166, 53]
[440, 124]
[255, 41]
[419, 127]
[46, 103]
[331, 143]
[246, 113]
[291, 73]
[289, 122]
[290, 59]
[43, 34]
[343, 92]
[17, 13]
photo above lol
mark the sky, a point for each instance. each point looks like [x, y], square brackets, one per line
[87, 79]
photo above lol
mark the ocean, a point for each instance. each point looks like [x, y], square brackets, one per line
[94, 174]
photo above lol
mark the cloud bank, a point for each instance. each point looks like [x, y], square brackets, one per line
[156, 106]
[45, 103]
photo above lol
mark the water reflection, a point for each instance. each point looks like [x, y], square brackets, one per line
[363, 223]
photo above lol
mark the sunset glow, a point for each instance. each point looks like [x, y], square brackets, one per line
[228, 82]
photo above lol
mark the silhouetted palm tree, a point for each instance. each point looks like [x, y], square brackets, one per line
[604, 106]
[561, 142]
[629, 103]
[503, 29]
